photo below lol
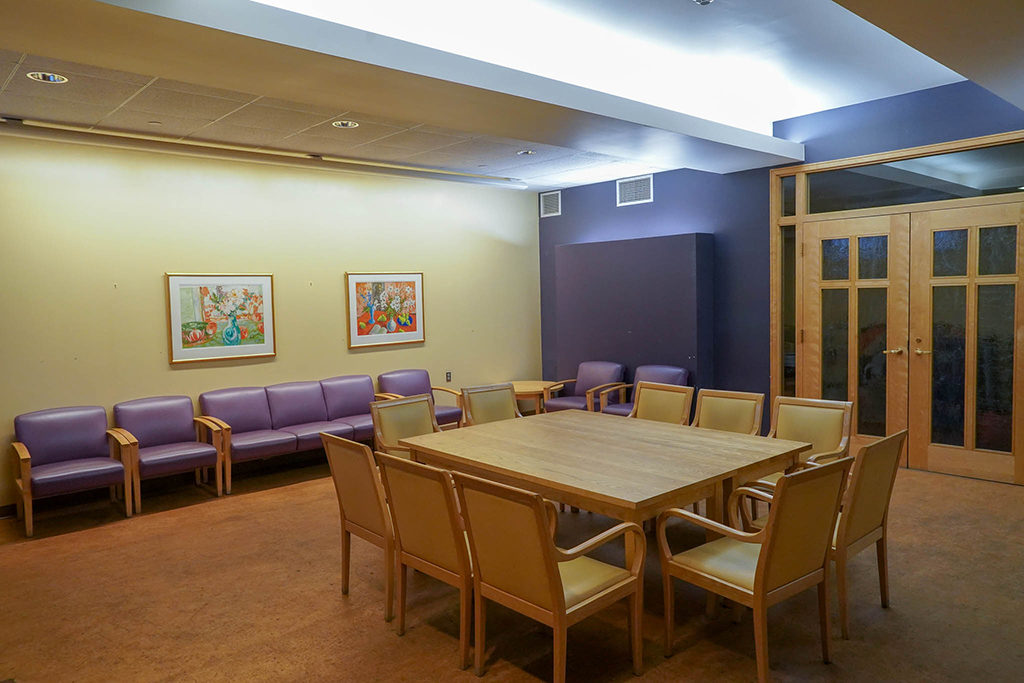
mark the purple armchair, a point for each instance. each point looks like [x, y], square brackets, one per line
[400, 383]
[64, 450]
[662, 374]
[243, 414]
[348, 400]
[167, 439]
[592, 377]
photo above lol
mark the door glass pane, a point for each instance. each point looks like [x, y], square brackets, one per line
[835, 344]
[835, 259]
[949, 334]
[995, 368]
[873, 257]
[950, 253]
[997, 250]
[788, 311]
[871, 336]
[789, 195]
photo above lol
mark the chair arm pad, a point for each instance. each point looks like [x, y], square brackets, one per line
[450, 391]
[123, 437]
[557, 386]
[385, 397]
[207, 423]
[619, 387]
[739, 516]
[21, 452]
[822, 458]
[708, 524]
[217, 421]
[602, 538]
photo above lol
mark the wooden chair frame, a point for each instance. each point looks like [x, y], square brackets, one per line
[467, 392]
[559, 618]
[759, 599]
[742, 395]
[560, 384]
[657, 386]
[456, 394]
[463, 579]
[21, 460]
[348, 527]
[844, 443]
[379, 442]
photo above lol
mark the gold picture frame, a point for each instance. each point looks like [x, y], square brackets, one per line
[384, 308]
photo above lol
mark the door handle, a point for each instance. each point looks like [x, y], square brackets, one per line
[897, 351]
[922, 352]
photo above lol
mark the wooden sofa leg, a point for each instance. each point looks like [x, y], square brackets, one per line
[227, 476]
[137, 490]
[26, 506]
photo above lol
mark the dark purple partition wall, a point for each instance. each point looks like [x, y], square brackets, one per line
[636, 302]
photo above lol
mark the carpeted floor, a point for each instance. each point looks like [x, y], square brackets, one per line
[247, 587]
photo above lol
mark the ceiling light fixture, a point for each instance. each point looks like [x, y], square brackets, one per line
[345, 124]
[703, 2]
[47, 77]
[526, 152]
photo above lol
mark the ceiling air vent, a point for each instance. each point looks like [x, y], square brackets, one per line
[638, 190]
[550, 204]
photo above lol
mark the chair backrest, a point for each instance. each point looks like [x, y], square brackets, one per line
[398, 418]
[662, 374]
[662, 402]
[425, 513]
[60, 434]
[509, 541]
[293, 403]
[404, 382]
[866, 503]
[158, 420]
[800, 524]
[347, 395]
[489, 403]
[245, 409]
[823, 424]
[729, 411]
[357, 484]
[593, 373]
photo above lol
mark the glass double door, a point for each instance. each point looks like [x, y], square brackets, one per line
[916, 318]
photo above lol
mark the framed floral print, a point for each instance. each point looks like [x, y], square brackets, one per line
[384, 308]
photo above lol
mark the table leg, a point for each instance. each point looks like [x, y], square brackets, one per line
[537, 409]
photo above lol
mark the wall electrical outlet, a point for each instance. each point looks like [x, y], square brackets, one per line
[448, 376]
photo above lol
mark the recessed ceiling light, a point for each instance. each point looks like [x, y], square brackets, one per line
[155, 123]
[526, 152]
[47, 77]
[345, 124]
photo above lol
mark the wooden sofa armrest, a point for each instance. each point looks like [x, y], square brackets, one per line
[708, 524]
[621, 388]
[217, 421]
[123, 445]
[206, 426]
[456, 394]
[594, 390]
[557, 386]
[385, 397]
[22, 462]
[589, 545]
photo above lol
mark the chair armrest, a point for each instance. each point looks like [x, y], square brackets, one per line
[385, 397]
[552, 517]
[126, 444]
[456, 394]
[620, 387]
[599, 387]
[739, 516]
[769, 486]
[217, 421]
[206, 426]
[708, 524]
[618, 530]
[557, 386]
[207, 423]
[823, 458]
[22, 461]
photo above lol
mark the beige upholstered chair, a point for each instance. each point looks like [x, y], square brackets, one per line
[362, 506]
[662, 402]
[429, 534]
[489, 403]
[789, 555]
[398, 418]
[865, 514]
[823, 424]
[729, 411]
[517, 564]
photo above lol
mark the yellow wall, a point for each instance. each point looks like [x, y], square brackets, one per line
[86, 235]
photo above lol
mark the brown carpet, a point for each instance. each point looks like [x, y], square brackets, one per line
[247, 587]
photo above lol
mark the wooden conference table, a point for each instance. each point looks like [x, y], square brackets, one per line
[624, 468]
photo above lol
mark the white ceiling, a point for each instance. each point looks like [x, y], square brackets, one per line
[599, 89]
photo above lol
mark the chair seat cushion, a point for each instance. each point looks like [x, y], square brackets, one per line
[362, 426]
[565, 403]
[307, 435]
[261, 443]
[623, 409]
[585, 576]
[171, 458]
[447, 414]
[68, 476]
[729, 560]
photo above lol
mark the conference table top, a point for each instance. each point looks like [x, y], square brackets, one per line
[626, 468]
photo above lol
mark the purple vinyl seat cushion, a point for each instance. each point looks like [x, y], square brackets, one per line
[80, 474]
[171, 458]
[261, 443]
[362, 426]
[308, 435]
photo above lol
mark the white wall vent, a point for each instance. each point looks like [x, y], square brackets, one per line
[638, 190]
[550, 204]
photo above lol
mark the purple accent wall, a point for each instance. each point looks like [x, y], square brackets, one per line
[657, 289]
[734, 208]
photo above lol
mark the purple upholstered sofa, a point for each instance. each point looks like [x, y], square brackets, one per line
[415, 382]
[591, 377]
[65, 450]
[348, 400]
[169, 439]
[663, 374]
